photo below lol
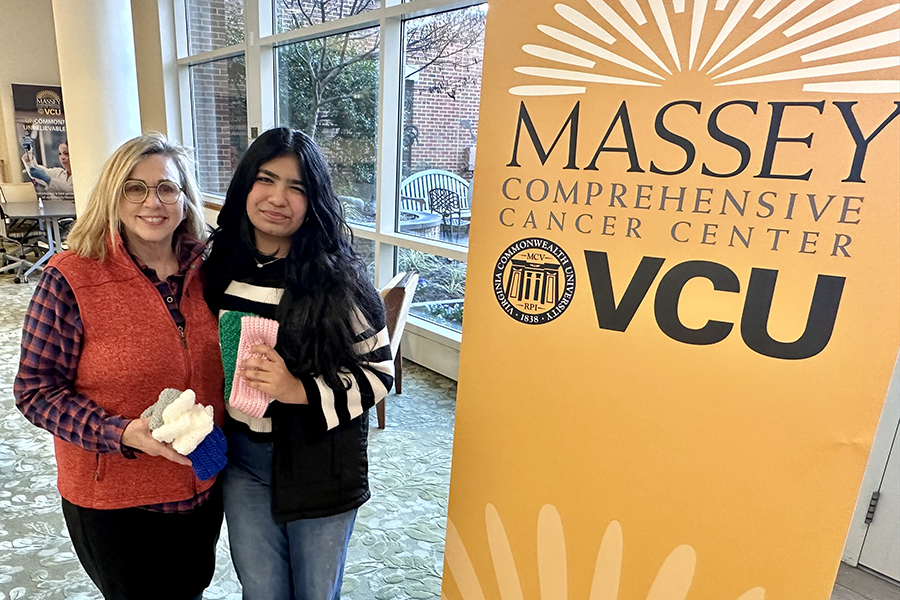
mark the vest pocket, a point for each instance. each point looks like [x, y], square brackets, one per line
[100, 468]
[350, 456]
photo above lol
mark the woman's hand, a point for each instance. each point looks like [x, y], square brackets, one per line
[270, 376]
[137, 435]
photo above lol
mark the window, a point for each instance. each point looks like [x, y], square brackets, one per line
[213, 24]
[328, 88]
[441, 92]
[391, 95]
[294, 14]
[442, 283]
[366, 251]
[219, 99]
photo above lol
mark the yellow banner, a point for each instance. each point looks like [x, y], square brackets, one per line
[682, 303]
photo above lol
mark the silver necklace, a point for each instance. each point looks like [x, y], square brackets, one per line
[260, 265]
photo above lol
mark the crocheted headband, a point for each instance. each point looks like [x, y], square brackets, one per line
[189, 427]
[254, 331]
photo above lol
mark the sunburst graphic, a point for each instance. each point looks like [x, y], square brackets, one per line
[733, 42]
[672, 582]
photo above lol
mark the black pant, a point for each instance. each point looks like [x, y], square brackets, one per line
[136, 554]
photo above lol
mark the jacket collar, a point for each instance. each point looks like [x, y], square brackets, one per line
[188, 251]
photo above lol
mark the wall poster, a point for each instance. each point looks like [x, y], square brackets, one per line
[682, 297]
[43, 145]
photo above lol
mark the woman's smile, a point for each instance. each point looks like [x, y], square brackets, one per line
[153, 220]
[275, 217]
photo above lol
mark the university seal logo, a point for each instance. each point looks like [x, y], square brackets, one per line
[534, 281]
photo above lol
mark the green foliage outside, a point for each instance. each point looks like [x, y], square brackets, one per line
[440, 279]
[328, 88]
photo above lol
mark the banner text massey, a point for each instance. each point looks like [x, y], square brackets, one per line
[576, 199]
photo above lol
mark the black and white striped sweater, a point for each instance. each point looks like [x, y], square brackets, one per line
[259, 294]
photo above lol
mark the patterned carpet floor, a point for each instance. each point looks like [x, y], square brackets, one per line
[397, 546]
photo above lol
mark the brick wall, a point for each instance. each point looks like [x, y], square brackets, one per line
[439, 97]
[214, 24]
[218, 91]
[220, 121]
[441, 141]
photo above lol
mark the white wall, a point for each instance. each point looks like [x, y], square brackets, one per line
[875, 469]
[27, 55]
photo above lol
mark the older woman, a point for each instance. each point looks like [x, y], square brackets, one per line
[114, 321]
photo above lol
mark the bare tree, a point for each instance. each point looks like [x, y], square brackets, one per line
[328, 87]
[450, 39]
[447, 38]
[316, 69]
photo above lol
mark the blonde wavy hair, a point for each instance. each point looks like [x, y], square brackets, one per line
[95, 231]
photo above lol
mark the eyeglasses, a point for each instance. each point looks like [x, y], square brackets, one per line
[136, 191]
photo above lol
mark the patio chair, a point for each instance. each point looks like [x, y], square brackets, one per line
[416, 187]
[397, 295]
[447, 203]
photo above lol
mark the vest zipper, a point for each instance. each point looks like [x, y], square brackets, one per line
[189, 276]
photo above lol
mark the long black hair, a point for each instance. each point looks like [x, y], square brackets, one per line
[325, 281]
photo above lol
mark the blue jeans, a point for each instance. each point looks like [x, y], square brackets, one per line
[299, 560]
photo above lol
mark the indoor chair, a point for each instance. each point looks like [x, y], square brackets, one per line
[21, 234]
[398, 296]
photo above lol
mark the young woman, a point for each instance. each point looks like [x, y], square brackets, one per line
[115, 320]
[296, 475]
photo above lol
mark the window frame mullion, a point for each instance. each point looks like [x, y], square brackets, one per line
[388, 144]
[260, 48]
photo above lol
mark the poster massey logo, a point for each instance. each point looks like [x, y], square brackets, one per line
[702, 168]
